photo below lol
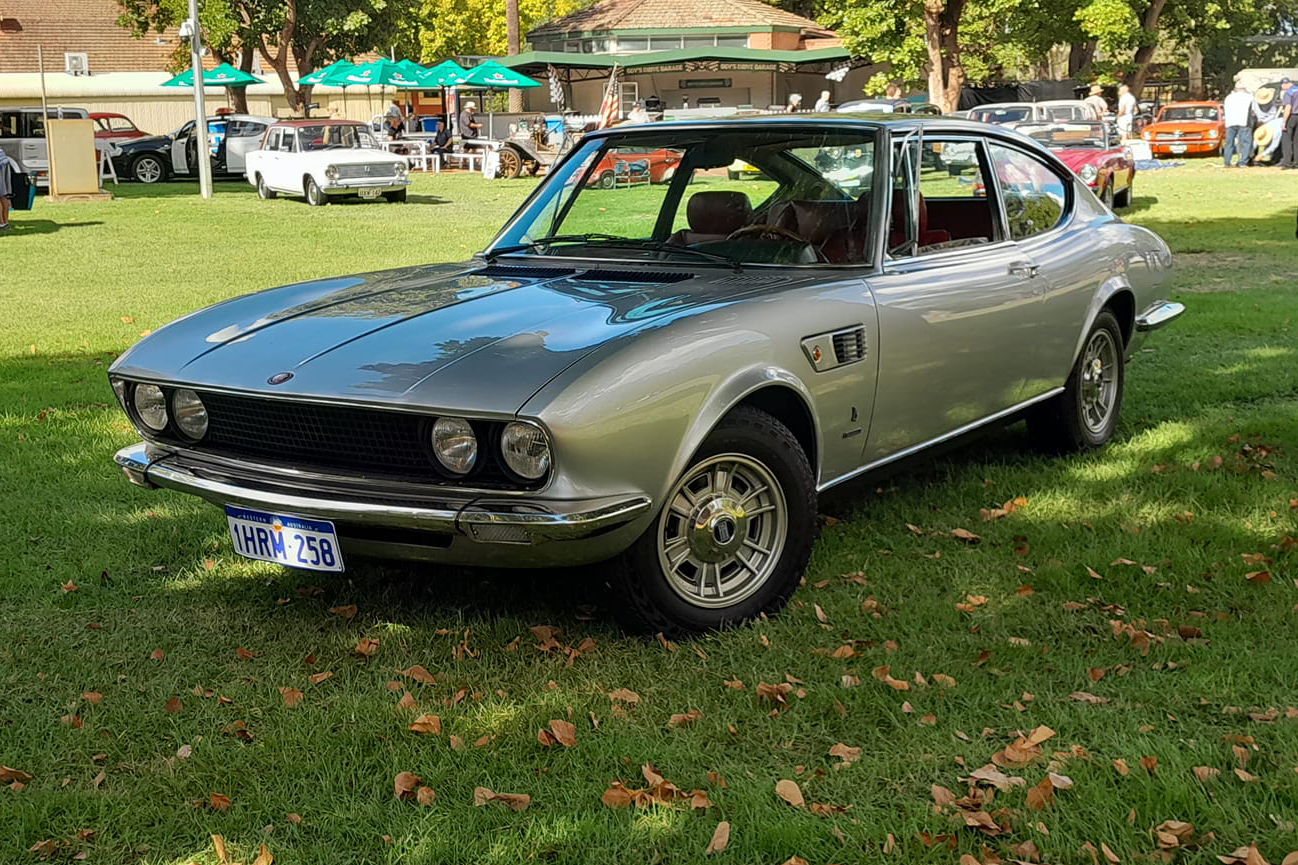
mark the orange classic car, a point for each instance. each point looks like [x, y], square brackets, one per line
[1186, 127]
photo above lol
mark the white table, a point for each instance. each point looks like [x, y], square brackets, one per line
[420, 156]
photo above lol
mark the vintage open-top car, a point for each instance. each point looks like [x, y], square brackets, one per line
[1083, 146]
[667, 375]
[1185, 128]
[323, 160]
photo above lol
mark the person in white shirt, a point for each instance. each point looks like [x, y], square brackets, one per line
[822, 104]
[1097, 103]
[1126, 111]
[1240, 108]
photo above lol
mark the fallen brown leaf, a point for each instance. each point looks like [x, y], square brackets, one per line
[790, 792]
[1041, 795]
[721, 837]
[425, 795]
[243, 654]
[218, 844]
[419, 674]
[219, 801]
[403, 786]
[174, 706]
[317, 678]
[564, 732]
[681, 719]
[408, 702]
[366, 647]
[516, 801]
[846, 753]
[623, 695]
[264, 857]
[347, 611]
[8, 775]
[292, 697]
[965, 535]
[430, 724]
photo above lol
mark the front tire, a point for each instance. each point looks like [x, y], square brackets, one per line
[264, 192]
[149, 169]
[1106, 195]
[511, 164]
[397, 197]
[1123, 198]
[315, 196]
[732, 539]
[1085, 414]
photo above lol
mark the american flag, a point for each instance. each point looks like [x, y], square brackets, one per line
[556, 86]
[610, 111]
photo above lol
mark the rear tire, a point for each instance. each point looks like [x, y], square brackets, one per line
[732, 539]
[315, 196]
[1085, 414]
[607, 180]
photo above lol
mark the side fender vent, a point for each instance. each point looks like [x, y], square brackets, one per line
[836, 348]
[849, 345]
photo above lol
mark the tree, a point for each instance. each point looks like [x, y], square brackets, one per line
[293, 37]
[451, 28]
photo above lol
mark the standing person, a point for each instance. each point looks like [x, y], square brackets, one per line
[1126, 111]
[7, 169]
[822, 104]
[1289, 129]
[1097, 102]
[1240, 108]
[637, 114]
[794, 104]
[470, 128]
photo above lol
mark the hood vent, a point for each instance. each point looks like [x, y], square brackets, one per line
[849, 345]
[507, 271]
[657, 277]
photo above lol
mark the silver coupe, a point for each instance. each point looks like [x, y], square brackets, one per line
[664, 375]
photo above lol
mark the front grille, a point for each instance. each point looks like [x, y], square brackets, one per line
[367, 169]
[342, 439]
[1188, 137]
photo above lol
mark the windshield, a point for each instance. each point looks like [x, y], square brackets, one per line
[333, 136]
[738, 196]
[1001, 115]
[1076, 134]
[1190, 112]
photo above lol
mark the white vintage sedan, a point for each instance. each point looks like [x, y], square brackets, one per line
[325, 159]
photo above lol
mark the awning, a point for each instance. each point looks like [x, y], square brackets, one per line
[706, 59]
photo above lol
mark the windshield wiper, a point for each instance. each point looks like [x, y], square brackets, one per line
[613, 241]
[549, 239]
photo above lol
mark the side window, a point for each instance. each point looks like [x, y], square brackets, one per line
[952, 209]
[272, 140]
[1035, 197]
[35, 126]
[10, 122]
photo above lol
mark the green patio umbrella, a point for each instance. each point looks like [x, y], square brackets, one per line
[380, 73]
[448, 73]
[224, 75]
[318, 77]
[492, 74]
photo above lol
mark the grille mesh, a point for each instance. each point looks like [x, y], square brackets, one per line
[367, 169]
[849, 345]
[366, 442]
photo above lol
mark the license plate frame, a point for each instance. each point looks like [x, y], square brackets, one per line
[290, 540]
[369, 193]
[1178, 148]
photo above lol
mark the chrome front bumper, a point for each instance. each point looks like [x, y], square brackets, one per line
[469, 529]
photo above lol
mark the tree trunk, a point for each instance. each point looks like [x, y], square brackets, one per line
[1080, 55]
[279, 61]
[514, 43]
[1149, 44]
[239, 95]
[942, 41]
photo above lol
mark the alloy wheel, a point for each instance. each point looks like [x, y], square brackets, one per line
[1098, 389]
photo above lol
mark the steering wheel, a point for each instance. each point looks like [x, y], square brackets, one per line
[773, 232]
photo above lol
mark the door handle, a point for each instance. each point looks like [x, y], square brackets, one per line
[1025, 269]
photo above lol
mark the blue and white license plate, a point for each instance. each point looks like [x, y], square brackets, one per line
[297, 542]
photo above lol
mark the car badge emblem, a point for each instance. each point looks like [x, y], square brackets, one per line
[279, 378]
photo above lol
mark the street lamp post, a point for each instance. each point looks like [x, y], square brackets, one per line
[202, 152]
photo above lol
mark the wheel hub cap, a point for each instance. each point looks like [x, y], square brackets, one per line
[722, 531]
[1099, 388]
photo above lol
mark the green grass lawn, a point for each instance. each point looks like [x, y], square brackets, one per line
[128, 693]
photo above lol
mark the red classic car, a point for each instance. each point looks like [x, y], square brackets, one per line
[1083, 147]
[635, 165]
[115, 127]
[1186, 127]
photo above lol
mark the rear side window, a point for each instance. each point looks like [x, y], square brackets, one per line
[9, 124]
[1035, 197]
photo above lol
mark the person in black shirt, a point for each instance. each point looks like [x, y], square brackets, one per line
[441, 139]
[469, 125]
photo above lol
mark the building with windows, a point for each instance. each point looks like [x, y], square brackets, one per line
[695, 53]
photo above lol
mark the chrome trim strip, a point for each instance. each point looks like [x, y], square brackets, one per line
[955, 433]
[1158, 315]
[548, 521]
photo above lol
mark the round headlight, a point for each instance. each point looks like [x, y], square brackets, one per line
[1147, 135]
[402, 169]
[455, 444]
[1212, 133]
[332, 172]
[190, 413]
[1089, 173]
[151, 406]
[526, 450]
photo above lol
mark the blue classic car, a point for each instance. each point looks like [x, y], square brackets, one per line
[666, 376]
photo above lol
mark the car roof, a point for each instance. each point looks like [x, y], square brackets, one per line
[108, 114]
[1200, 103]
[316, 121]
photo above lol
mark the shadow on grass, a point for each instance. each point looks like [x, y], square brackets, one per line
[42, 226]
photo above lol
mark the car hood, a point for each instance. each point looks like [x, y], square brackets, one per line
[1183, 125]
[1076, 157]
[470, 338]
[148, 142]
